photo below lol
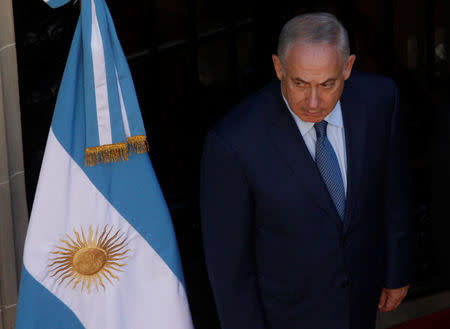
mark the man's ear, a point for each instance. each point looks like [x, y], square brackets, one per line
[348, 66]
[278, 66]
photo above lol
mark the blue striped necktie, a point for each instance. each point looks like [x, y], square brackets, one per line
[328, 166]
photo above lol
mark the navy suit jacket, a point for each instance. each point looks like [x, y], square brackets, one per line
[277, 253]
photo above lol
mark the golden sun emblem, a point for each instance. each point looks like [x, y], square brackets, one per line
[89, 260]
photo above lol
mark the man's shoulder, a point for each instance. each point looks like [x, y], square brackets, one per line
[369, 87]
[251, 114]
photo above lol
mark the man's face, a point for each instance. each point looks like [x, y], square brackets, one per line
[312, 79]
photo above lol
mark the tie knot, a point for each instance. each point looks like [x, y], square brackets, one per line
[321, 128]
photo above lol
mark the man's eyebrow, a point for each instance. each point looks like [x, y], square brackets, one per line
[328, 80]
[299, 80]
[306, 82]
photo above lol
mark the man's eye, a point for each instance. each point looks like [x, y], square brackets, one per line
[299, 84]
[328, 85]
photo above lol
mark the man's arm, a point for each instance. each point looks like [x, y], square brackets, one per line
[227, 226]
[399, 227]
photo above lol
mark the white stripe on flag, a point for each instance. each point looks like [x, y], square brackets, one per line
[126, 125]
[101, 87]
[147, 294]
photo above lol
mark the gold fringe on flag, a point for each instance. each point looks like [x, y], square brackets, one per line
[138, 144]
[106, 154]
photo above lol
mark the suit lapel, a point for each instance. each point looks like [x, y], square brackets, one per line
[355, 126]
[293, 151]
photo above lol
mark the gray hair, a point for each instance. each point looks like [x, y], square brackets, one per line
[316, 28]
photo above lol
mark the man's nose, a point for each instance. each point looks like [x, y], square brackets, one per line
[313, 99]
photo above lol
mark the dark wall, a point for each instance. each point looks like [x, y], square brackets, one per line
[193, 59]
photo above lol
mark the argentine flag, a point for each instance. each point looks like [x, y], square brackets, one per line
[100, 250]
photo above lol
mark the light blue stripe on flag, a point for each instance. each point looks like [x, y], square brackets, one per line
[44, 310]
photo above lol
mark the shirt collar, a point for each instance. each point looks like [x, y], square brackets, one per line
[334, 118]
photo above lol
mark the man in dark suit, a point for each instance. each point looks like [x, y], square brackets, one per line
[304, 193]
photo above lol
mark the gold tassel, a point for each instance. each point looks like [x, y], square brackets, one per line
[138, 144]
[106, 154]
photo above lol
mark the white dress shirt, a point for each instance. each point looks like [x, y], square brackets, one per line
[335, 134]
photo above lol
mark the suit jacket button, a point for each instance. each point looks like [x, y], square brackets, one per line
[345, 284]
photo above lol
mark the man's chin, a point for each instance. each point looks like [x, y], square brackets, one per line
[312, 117]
